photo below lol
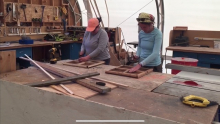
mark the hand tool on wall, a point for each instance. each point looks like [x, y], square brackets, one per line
[196, 101]
[23, 6]
[64, 25]
[42, 15]
[64, 10]
[48, 17]
[56, 17]
[4, 32]
[18, 15]
[8, 9]
[14, 12]
[30, 30]
[35, 9]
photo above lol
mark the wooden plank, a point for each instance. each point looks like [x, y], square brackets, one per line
[158, 105]
[201, 84]
[147, 82]
[92, 84]
[30, 74]
[36, 44]
[123, 71]
[7, 61]
[194, 69]
[62, 73]
[114, 60]
[61, 80]
[95, 78]
[180, 90]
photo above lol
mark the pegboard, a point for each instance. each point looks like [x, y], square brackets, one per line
[30, 13]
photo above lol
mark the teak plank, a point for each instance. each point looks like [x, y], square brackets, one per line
[159, 105]
[61, 80]
[92, 85]
[123, 71]
[7, 61]
[33, 74]
[87, 64]
[62, 73]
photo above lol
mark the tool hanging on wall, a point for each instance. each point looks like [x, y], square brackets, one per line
[57, 16]
[18, 15]
[23, 7]
[42, 15]
[64, 10]
[14, 12]
[48, 17]
[35, 9]
[8, 9]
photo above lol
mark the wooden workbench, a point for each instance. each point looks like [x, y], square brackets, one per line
[135, 102]
[36, 44]
[194, 49]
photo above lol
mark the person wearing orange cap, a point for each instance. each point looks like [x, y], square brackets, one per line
[149, 46]
[95, 43]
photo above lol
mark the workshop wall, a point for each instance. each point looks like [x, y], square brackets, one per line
[11, 31]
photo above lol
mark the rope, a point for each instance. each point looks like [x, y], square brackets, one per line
[135, 13]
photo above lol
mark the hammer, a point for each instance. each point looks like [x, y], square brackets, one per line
[23, 6]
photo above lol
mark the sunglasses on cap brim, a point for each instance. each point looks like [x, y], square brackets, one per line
[141, 19]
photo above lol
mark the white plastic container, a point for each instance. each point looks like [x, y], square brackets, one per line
[217, 44]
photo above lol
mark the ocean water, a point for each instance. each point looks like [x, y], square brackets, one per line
[196, 14]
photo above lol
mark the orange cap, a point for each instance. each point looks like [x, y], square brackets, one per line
[92, 24]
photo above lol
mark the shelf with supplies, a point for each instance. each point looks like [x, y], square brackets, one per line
[15, 11]
[199, 44]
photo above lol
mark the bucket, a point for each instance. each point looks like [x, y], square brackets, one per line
[183, 61]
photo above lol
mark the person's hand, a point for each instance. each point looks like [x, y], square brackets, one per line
[135, 57]
[135, 68]
[81, 53]
[83, 59]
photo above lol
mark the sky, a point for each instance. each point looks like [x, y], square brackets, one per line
[196, 14]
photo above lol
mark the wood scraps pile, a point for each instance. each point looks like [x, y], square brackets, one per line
[87, 64]
[123, 71]
[65, 84]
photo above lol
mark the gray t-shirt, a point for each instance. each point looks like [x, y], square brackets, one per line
[96, 46]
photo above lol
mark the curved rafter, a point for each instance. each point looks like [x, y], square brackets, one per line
[160, 17]
[75, 14]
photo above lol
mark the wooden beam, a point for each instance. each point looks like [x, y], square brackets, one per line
[96, 78]
[62, 73]
[194, 69]
[92, 85]
[61, 80]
